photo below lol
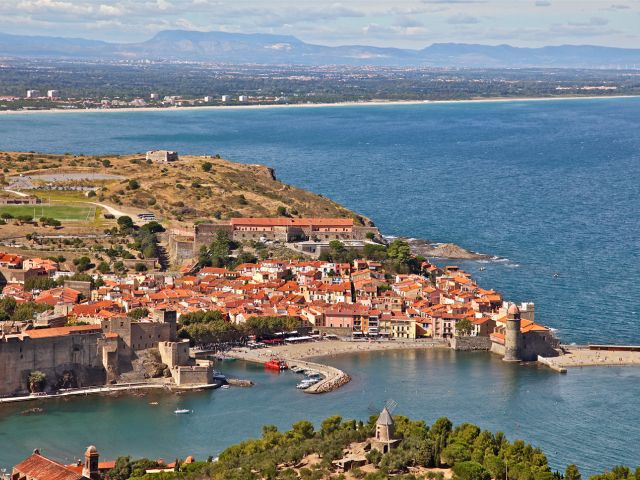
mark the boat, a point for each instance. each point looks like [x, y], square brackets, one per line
[182, 411]
[225, 387]
[307, 383]
[153, 403]
[276, 364]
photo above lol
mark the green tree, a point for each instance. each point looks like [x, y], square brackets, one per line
[399, 250]
[125, 223]
[138, 313]
[39, 283]
[104, 268]
[464, 327]
[133, 185]
[572, 473]
[37, 381]
[207, 166]
[470, 471]
[82, 264]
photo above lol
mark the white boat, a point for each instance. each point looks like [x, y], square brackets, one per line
[225, 387]
[182, 411]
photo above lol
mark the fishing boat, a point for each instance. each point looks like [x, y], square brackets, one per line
[153, 403]
[182, 411]
[225, 387]
[276, 364]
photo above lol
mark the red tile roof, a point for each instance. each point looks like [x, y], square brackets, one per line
[62, 331]
[285, 222]
[37, 467]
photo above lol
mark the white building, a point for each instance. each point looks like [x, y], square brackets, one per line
[243, 98]
[53, 93]
[225, 98]
[208, 99]
[33, 93]
[154, 96]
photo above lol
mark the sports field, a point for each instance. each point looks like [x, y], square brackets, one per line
[84, 213]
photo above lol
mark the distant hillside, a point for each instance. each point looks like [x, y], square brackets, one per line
[194, 188]
[266, 49]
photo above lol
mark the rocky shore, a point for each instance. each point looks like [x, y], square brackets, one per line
[450, 251]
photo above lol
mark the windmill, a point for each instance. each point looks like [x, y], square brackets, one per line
[390, 405]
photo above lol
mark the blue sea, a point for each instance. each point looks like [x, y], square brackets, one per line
[549, 187]
[546, 187]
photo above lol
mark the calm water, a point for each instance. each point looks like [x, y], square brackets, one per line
[589, 416]
[550, 186]
[547, 186]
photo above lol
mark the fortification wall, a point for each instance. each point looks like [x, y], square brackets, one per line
[195, 375]
[497, 349]
[181, 248]
[533, 345]
[77, 355]
[470, 344]
[174, 354]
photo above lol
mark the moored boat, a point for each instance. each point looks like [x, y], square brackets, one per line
[182, 411]
[276, 364]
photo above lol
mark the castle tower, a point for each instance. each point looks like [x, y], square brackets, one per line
[90, 468]
[513, 336]
[385, 427]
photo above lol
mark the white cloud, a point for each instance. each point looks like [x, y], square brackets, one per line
[462, 19]
[405, 23]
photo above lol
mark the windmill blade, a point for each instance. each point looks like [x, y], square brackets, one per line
[373, 409]
[391, 405]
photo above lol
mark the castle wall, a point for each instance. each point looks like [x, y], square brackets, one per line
[174, 354]
[194, 375]
[470, 344]
[76, 353]
[534, 344]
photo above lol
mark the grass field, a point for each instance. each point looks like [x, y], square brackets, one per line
[86, 213]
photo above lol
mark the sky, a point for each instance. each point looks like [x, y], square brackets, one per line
[392, 23]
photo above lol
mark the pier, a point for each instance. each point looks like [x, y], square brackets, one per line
[592, 356]
[333, 378]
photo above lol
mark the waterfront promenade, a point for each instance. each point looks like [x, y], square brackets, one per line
[108, 390]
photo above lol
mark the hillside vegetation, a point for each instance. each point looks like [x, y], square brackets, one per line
[192, 189]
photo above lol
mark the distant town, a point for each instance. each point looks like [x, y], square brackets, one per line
[77, 84]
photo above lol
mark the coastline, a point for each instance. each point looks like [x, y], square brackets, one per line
[333, 377]
[584, 357]
[373, 103]
[107, 390]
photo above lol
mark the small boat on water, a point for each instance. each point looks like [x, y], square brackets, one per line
[225, 387]
[304, 384]
[182, 411]
[153, 403]
[297, 369]
[276, 364]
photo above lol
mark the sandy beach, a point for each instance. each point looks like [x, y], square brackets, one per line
[333, 378]
[335, 347]
[374, 103]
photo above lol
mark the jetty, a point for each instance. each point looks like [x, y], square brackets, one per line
[332, 378]
[575, 356]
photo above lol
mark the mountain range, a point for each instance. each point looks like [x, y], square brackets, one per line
[267, 49]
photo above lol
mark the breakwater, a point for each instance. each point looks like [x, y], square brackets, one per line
[333, 378]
